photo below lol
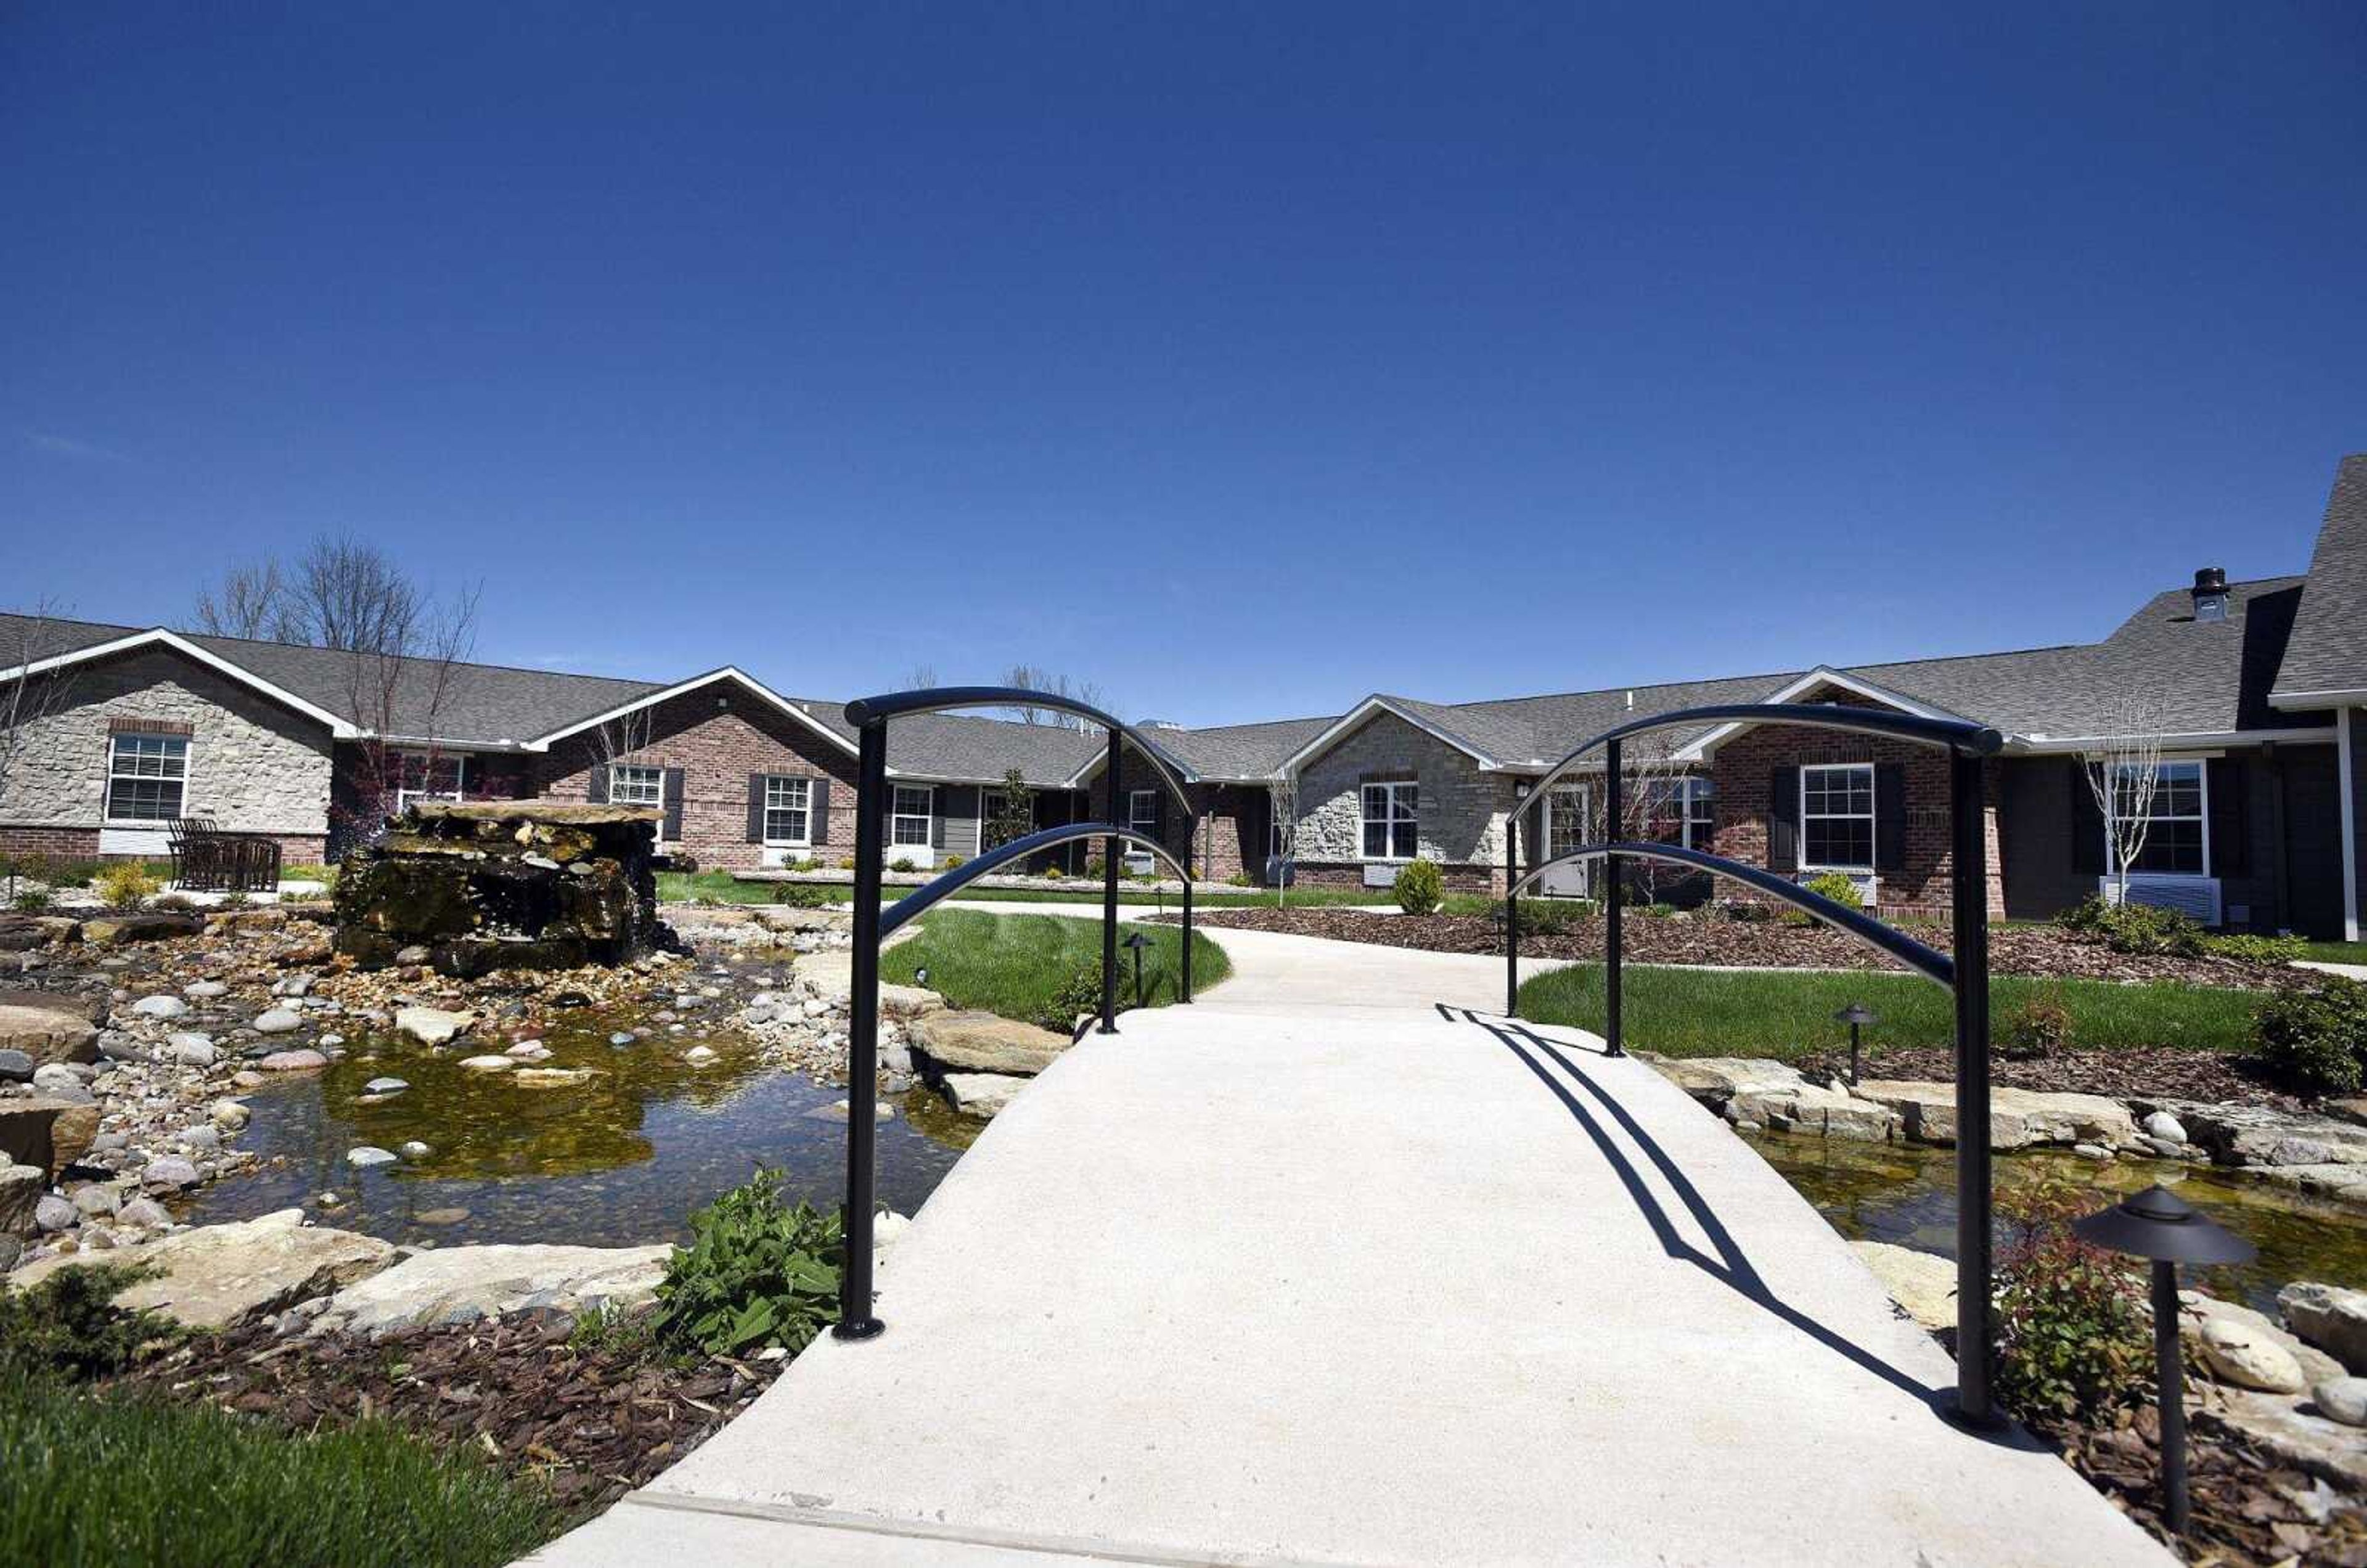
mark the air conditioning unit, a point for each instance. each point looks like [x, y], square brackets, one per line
[2196, 897]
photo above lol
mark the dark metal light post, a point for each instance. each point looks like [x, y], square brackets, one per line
[1135, 942]
[1616, 814]
[2157, 1224]
[1512, 901]
[1111, 848]
[1855, 1014]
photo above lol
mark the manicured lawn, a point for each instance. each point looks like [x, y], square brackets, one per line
[1694, 1012]
[2336, 952]
[96, 1482]
[1018, 965]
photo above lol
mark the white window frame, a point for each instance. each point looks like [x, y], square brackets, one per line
[1580, 797]
[1872, 827]
[2201, 816]
[137, 774]
[656, 785]
[459, 790]
[803, 810]
[1390, 818]
[1142, 820]
[898, 816]
[1686, 794]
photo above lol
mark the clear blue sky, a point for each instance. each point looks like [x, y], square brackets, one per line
[1242, 360]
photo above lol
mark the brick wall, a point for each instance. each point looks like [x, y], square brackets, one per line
[717, 735]
[1744, 771]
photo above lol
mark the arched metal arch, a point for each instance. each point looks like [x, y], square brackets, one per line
[864, 711]
[943, 887]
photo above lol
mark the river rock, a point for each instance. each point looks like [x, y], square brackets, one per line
[205, 990]
[20, 1190]
[116, 931]
[2260, 1135]
[2018, 1117]
[433, 1026]
[2239, 1355]
[192, 1050]
[279, 1021]
[59, 1081]
[51, 1212]
[16, 1067]
[487, 1064]
[2330, 1317]
[1924, 1285]
[551, 1077]
[96, 1199]
[169, 1171]
[462, 1283]
[2341, 1399]
[47, 1028]
[972, 1042]
[385, 1086]
[415, 1150]
[2198, 1311]
[145, 1213]
[47, 1131]
[292, 1061]
[982, 1095]
[368, 1156]
[160, 1006]
[219, 1275]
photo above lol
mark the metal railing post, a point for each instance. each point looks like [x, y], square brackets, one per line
[854, 1300]
[1513, 911]
[1184, 994]
[1968, 873]
[1111, 848]
[1616, 814]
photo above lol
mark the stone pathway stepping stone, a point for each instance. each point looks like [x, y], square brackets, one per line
[981, 1042]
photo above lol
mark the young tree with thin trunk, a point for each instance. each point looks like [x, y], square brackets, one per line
[2124, 773]
[1282, 835]
[1015, 812]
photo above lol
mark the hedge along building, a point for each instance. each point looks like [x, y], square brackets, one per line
[2262, 692]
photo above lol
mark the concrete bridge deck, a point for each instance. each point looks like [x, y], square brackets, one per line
[1263, 1282]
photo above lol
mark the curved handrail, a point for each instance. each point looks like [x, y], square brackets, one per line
[937, 889]
[1955, 734]
[1928, 962]
[864, 711]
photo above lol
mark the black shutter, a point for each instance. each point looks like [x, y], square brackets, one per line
[1783, 820]
[1158, 814]
[1890, 817]
[756, 808]
[2229, 779]
[597, 790]
[818, 822]
[673, 806]
[2087, 823]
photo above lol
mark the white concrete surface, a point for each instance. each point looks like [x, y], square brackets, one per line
[2347, 971]
[1254, 1284]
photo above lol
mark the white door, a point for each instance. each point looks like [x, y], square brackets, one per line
[1566, 816]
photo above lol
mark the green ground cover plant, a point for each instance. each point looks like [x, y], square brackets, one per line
[1024, 966]
[1788, 1014]
[757, 1272]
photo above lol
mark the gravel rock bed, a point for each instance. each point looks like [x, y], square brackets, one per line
[1764, 945]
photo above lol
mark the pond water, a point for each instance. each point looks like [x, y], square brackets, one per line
[1905, 1193]
[619, 1158]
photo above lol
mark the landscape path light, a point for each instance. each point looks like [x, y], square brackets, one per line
[1136, 942]
[1855, 1015]
[2159, 1226]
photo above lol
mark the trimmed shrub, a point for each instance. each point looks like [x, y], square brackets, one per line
[1079, 994]
[2246, 948]
[2075, 1340]
[2040, 1027]
[1421, 888]
[2315, 1041]
[1832, 884]
[2141, 930]
[124, 884]
[1546, 916]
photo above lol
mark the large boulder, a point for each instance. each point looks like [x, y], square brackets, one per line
[981, 1042]
[116, 931]
[1924, 1284]
[2238, 1354]
[21, 1189]
[48, 1028]
[461, 1284]
[47, 1131]
[433, 1026]
[2018, 1117]
[219, 1275]
[2330, 1317]
[2260, 1135]
[981, 1095]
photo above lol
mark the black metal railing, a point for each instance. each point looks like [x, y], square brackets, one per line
[870, 716]
[1966, 972]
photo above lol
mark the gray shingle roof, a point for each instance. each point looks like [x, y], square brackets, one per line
[2328, 651]
[1238, 750]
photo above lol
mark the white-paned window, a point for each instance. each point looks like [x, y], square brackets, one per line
[1837, 816]
[2178, 840]
[911, 821]
[1565, 819]
[1142, 811]
[1392, 820]
[146, 777]
[787, 811]
[1683, 811]
[630, 784]
[425, 776]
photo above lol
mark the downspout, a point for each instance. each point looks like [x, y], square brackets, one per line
[2349, 792]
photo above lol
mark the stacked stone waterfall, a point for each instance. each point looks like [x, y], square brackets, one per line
[506, 885]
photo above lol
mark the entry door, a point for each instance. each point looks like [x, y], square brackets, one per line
[1566, 816]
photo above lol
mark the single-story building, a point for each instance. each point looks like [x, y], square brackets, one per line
[2256, 692]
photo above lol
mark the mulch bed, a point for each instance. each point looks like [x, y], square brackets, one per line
[2245, 1508]
[588, 1423]
[2039, 950]
[2158, 1072]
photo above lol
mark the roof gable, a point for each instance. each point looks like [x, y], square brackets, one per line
[2325, 662]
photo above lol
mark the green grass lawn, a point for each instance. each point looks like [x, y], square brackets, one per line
[95, 1482]
[675, 887]
[1694, 1012]
[2336, 952]
[1019, 965]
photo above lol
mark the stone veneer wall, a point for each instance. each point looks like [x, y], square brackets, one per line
[1461, 812]
[255, 766]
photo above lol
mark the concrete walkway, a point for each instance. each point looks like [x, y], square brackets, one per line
[1320, 1271]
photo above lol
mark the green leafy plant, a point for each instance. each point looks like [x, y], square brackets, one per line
[2040, 1027]
[68, 1324]
[1080, 993]
[757, 1272]
[2315, 1041]
[2247, 948]
[1241, 879]
[124, 884]
[2074, 1337]
[32, 898]
[1546, 916]
[2140, 930]
[950, 862]
[1015, 812]
[1832, 884]
[1095, 867]
[1420, 887]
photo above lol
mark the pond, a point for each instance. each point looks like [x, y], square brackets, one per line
[1905, 1193]
[618, 1158]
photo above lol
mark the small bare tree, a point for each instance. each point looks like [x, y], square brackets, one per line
[2124, 773]
[1034, 678]
[247, 602]
[28, 695]
[1650, 797]
[1282, 835]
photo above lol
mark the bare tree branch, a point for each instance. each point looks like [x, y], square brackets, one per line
[2122, 775]
[247, 603]
[1282, 814]
[1034, 678]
